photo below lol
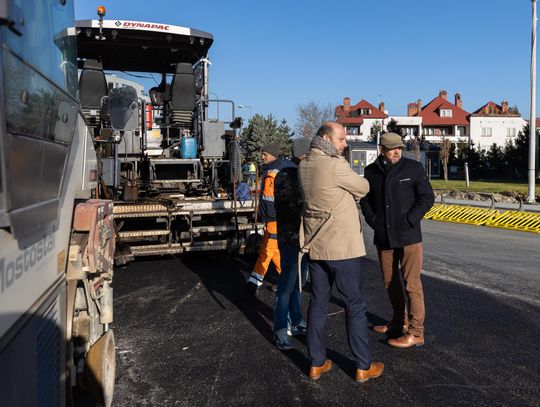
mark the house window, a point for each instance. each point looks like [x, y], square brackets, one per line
[486, 131]
[461, 131]
[353, 131]
[409, 131]
[511, 132]
[446, 113]
[365, 112]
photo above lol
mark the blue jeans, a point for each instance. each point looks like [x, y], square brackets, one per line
[348, 276]
[288, 297]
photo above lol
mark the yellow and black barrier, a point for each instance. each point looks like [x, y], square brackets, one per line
[466, 214]
[513, 220]
[435, 209]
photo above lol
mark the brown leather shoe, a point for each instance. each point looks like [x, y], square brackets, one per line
[375, 370]
[316, 371]
[406, 341]
[389, 329]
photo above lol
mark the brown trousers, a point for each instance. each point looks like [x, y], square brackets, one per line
[410, 260]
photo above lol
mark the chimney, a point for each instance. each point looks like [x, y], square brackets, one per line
[443, 94]
[346, 104]
[411, 109]
[381, 107]
[504, 107]
[419, 106]
[458, 101]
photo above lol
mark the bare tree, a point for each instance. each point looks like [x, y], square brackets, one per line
[446, 147]
[414, 145]
[310, 117]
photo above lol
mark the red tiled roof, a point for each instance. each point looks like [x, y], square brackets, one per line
[350, 120]
[494, 109]
[363, 104]
[431, 117]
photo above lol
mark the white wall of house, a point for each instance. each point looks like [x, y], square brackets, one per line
[488, 130]
[412, 123]
[365, 129]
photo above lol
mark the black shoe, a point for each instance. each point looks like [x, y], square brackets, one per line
[252, 289]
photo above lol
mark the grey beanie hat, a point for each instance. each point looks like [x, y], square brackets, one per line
[272, 148]
[300, 147]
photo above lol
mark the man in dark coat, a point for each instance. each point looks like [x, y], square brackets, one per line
[399, 197]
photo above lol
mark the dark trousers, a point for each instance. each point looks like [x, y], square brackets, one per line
[288, 297]
[348, 276]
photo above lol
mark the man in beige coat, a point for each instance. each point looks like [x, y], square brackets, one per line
[332, 235]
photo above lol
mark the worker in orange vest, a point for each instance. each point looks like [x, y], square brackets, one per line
[268, 251]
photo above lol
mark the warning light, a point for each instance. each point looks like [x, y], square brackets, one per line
[101, 11]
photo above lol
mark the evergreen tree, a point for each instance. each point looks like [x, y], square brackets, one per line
[375, 129]
[392, 126]
[517, 153]
[495, 161]
[261, 131]
[474, 158]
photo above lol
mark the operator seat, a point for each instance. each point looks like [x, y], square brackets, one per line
[92, 88]
[182, 95]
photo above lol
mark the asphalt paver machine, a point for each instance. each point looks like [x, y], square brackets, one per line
[170, 168]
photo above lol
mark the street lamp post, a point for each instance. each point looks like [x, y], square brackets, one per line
[245, 107]
[532, 121]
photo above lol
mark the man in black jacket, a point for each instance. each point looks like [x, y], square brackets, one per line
[399, 197]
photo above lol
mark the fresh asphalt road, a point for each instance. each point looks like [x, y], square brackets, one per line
[188, 333]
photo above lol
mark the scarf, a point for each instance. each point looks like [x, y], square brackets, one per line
[325, 146]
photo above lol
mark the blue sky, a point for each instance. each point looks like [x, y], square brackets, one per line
[275, 55]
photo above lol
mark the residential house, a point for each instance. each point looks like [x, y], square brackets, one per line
[441, 118]
[409, 126]
[494, 124]
[360, 118]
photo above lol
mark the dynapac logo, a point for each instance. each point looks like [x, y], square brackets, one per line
[135, 24]
[13, 269]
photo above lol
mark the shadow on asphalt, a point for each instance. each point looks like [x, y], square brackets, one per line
[256, 306]
[231, 284]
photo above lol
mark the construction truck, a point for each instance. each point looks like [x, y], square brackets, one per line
[57, 236]
[172, 167]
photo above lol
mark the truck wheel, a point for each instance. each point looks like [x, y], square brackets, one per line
[100, 369]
